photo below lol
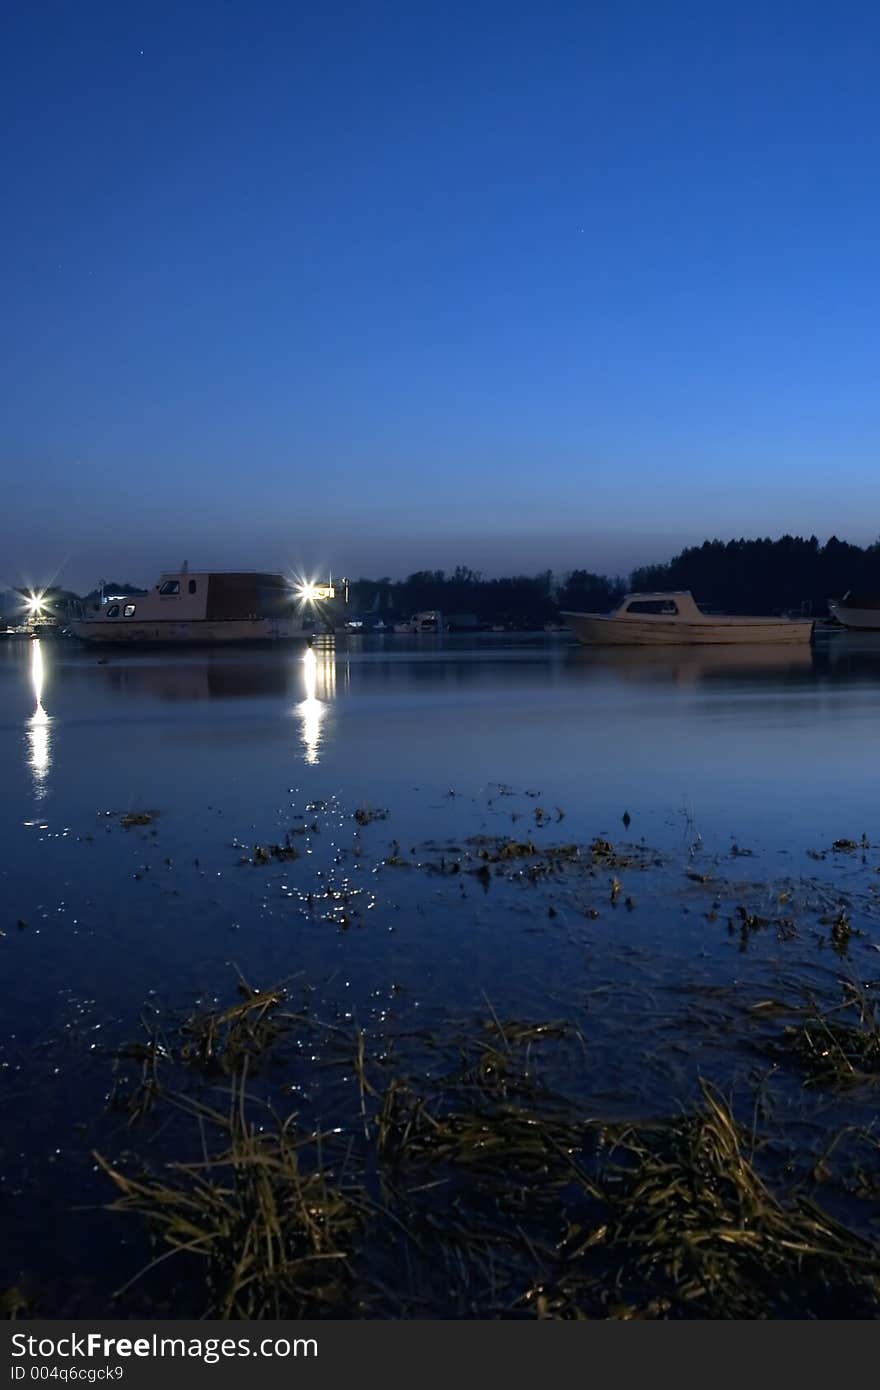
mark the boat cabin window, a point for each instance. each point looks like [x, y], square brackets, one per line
[652, 605]
[113, 610]
[128, 611]
[170, 586]
[192, 586]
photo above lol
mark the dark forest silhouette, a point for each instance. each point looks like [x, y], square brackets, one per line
[760, 576]
[767, 576]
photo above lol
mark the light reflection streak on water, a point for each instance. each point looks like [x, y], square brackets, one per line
[39, 724]
[319, 681]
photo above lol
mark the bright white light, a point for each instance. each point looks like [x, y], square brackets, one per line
[319, 678]
[35, 603]
[308, 591]
[37, 673]
[311, 710]
[40, 753]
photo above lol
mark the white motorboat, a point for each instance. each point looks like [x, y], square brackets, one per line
[188, 607]
[430, 620]
[856, 610]
[674, 619]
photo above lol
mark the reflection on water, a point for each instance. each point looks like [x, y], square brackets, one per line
[39, 724]
[691, 665]
[205, 678]
[607, 720]
[319, 681]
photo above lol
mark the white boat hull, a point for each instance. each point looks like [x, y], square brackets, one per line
[863, 619]
[158, 632]
[597, 630]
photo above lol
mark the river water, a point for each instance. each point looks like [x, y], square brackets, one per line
[374, 759]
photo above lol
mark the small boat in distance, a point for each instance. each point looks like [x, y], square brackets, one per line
[856, 610]
[674, 619]
[186, 607]
[430, 620]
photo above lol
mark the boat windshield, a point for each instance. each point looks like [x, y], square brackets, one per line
[170, 586]
[652, 605]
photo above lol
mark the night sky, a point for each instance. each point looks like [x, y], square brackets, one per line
[380, 287]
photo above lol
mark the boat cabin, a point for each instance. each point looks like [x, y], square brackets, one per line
[677, 604]
[187, 596]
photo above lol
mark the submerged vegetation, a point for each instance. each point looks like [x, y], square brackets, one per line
[838, 1046]
[470, 1189]
[614, 1127]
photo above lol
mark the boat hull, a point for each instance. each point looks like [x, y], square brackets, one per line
[596, 630]
[197, 632]
[862, 619]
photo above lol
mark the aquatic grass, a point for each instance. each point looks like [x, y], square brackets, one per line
[838, 1047]
[138, 1098]
[692, 1229]
[477, 1189]
[265, 1213]
[223, 1040]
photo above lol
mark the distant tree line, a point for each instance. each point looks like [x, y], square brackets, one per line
[736, 576]
[759, 576]
[518, 600]
[767, 576]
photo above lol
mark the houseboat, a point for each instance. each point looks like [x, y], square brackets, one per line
[201, 607]
[674, 619]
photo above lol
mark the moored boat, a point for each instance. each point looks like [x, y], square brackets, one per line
[674, 619]
[857, 610]
[200, 607]
[430, 620]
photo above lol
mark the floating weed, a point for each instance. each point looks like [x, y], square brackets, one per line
[751, 922]
[133, 818]
[265, 854]
[223, 1040]
[839, 1047]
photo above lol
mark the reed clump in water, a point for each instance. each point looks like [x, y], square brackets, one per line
[467, 1187]
[226, 1039]
[692, 1229]
[265, 1214]
[837, 1047]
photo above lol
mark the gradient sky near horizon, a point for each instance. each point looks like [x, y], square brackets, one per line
[382, 287]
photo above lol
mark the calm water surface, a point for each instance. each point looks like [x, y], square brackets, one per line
[771, 747]
[710, 752]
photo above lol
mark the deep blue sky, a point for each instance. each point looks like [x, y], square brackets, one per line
[379, 286]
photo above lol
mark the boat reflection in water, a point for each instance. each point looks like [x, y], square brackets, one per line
[39, 724]
[200, 679]
[687, 665]
[250, 676]
[319, 681]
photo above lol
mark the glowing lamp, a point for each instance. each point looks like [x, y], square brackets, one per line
[308, 591]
